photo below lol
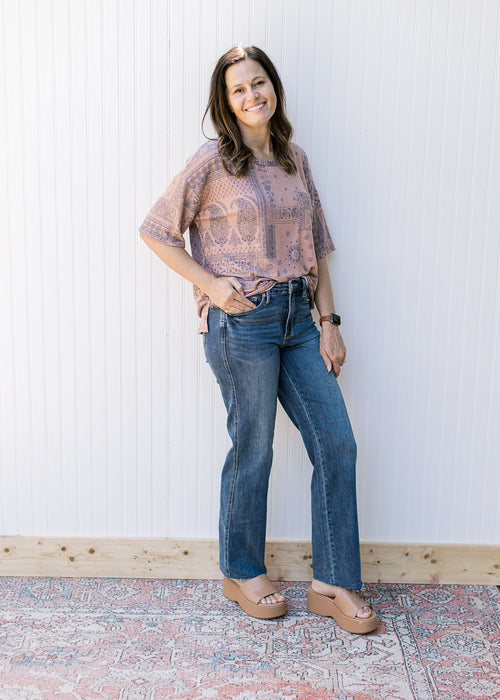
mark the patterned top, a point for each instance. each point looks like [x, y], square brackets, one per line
[262, 228]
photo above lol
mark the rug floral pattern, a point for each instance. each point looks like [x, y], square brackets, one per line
[63, 639]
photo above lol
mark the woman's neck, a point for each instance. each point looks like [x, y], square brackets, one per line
[259, 143]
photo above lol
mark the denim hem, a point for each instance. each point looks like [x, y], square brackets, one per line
[357, 586]
[237, 576]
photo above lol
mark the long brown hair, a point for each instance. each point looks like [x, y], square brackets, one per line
[235, 154]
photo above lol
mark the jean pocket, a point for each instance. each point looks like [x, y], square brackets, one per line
[257, 299]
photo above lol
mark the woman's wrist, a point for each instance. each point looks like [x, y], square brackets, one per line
[329, 329]
[208, 282]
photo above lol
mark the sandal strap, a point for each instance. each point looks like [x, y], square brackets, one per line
[255, 589]
[349, 602]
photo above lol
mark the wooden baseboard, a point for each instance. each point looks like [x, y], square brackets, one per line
[286, 561]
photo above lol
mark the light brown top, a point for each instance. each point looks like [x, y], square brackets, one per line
[262, 228]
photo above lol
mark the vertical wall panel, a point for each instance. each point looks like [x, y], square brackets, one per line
[110, 421]
[7, 455]
[113, 227]
[44, 268]
[9, 192]
[143, 92]
[66, 266]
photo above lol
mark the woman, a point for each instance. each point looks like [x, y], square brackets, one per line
[258, 241]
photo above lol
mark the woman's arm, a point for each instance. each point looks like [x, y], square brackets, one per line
[331, 345]
[224, 292]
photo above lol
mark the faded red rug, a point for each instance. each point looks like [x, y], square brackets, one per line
[151, 639]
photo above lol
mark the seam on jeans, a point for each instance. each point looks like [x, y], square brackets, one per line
[289, 321]
[235, 448]
[321, 460]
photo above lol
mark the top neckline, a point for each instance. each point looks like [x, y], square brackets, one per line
[263, 161]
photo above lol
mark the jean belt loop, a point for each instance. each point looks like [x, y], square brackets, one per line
[304, 286]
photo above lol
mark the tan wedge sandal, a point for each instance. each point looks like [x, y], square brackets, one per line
[343, 608]
[248, 594]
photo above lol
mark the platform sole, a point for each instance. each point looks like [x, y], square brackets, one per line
[327, 607]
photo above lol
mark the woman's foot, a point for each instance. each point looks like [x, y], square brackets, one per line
[348, 610]
[257, 596]
[332, 591]
[269, 599]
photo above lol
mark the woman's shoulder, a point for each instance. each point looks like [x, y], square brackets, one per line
[207, 153]
[202, 164]
[300, 159]
[299, 153]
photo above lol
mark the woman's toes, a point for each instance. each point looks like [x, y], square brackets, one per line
[272, 599]
[364, 612]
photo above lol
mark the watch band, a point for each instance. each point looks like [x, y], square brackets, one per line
[332, 318]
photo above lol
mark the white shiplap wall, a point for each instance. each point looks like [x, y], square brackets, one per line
[110, 421]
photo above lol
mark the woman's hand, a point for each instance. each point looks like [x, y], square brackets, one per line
[332, 348]
[227, 294]
[224, 292]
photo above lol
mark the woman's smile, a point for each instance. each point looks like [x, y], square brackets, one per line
[255, 108]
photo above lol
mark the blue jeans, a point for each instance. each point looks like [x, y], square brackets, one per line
[258, 356]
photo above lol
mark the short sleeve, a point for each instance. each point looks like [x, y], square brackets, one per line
[323, 243]
[172, 214]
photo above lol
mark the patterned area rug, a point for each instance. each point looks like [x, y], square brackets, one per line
[151, 639]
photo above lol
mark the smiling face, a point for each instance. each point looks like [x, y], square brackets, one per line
[250, 95]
